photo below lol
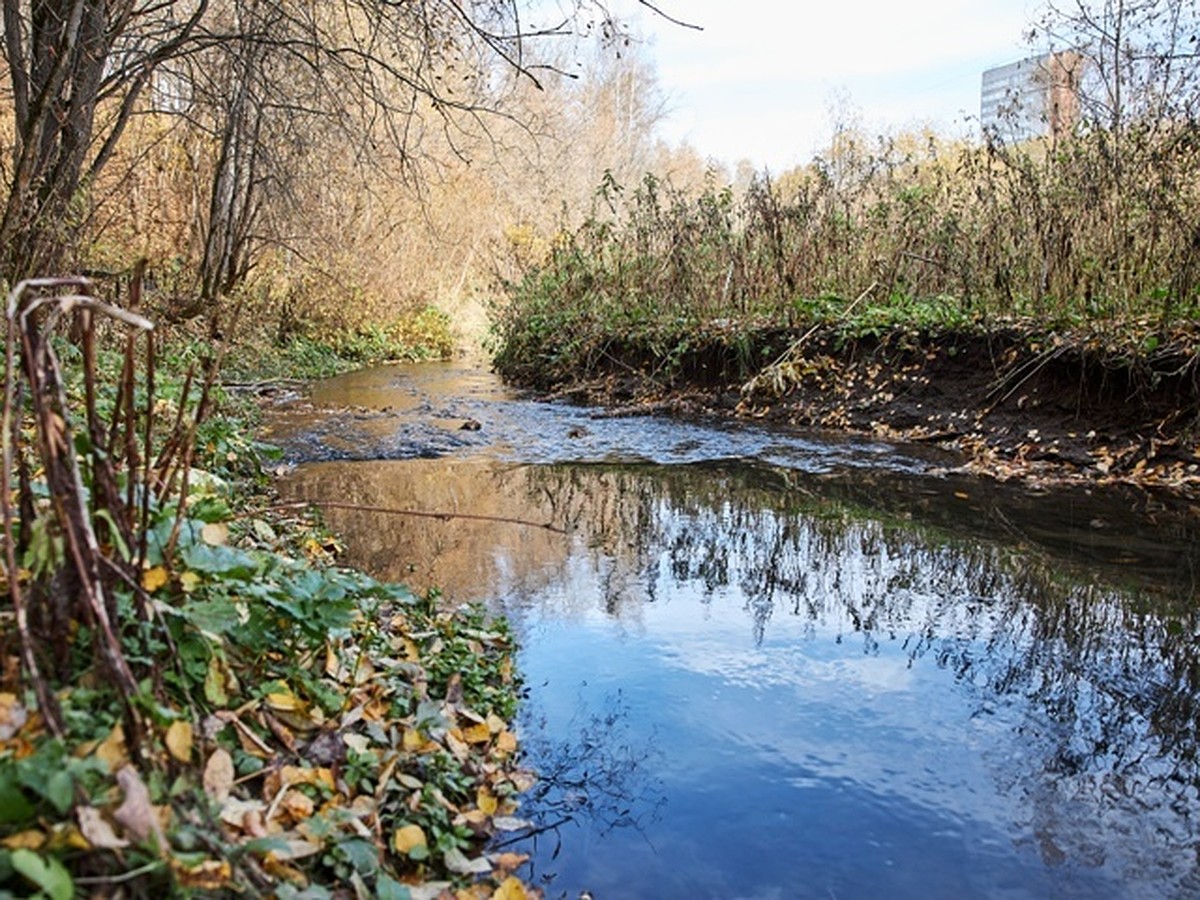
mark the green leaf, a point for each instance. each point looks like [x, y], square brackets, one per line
[216, 615]
[219, 560]
[209, 509]
[60, 790]
[264, 845]
[13, 805]
[46, 872]
[362, 855]
[214, 684]
[418, 853]
[387, 888]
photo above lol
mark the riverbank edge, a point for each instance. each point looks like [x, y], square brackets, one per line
[497, 776]
[1013, 401]
[60, 841]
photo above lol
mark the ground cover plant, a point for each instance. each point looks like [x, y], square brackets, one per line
[193, 698]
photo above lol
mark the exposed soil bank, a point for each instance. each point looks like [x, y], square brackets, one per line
[1041, 408]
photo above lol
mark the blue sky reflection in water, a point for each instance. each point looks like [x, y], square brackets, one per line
[875, 733]
[749, 680]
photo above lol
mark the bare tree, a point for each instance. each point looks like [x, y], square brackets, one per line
[1142, 58]
[78, 72]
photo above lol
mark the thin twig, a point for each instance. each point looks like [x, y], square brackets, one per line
[415, 513]
[674, 21]
[794, 347]
[45, 698]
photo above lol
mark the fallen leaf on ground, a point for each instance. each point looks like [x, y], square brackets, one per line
[113, 751]
[210, 875]
[179, 740]
[295, 848]
[296, 775]
[12, 716]
[30, 839]
[296, 805]
[511, 889]
[239, 813]
[219, 775]
[408, 837]
[137, 814]
[506, 743]
[97, 830]
[477, 734]
[486, 802]
[458, 863]
[285, 701]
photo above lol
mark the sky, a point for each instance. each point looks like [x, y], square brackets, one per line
[763, 80]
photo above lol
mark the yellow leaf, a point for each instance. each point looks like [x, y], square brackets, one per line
[67, 837]
[475, 817]
[486, 802]
[285, 702]
[189, 581]
[153, 579]
[408, 837]
[511, 889]
[332, 664]
[210, 875]
[283, 871]
[506, 743]
[31, 839]
[296, 775]
[297, 805]
[477, 734]
[112, 750]
[412, 653]
[215, 533]
[413, 741]
[179, 741]
[495, 724]
[251, 742]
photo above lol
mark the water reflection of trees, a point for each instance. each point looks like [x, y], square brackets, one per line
[1093, 660]
[594, 771]
[1070, 618]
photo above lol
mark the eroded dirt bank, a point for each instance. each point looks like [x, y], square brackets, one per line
[1040, 408]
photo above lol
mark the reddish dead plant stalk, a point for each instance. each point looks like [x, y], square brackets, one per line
[78, 590]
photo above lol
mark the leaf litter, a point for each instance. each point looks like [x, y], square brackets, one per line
[328, 736]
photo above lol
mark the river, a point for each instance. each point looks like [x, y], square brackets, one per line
[769, 665]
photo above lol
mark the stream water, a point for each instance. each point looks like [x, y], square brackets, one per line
[767, 665]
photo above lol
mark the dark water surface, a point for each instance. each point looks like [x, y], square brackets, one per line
[765, 665]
